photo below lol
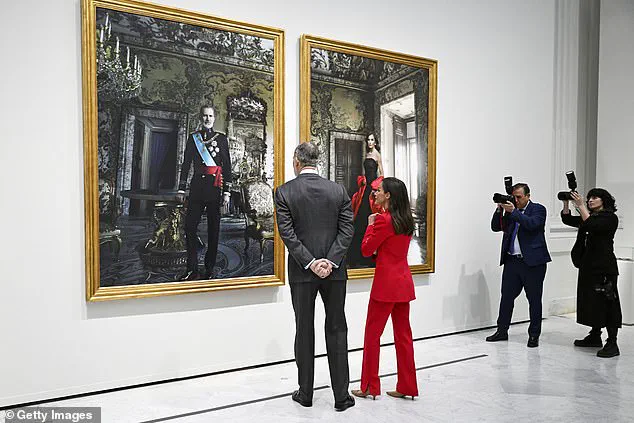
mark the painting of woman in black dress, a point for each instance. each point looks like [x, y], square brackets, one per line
[363, 204]
[372, 113]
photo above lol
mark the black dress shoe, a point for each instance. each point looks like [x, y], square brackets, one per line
[498, 336]
[533, 341]
[610, 350]
[300, 398]
[591, 340]
[190, 275]
[209, 275]
[345, 404]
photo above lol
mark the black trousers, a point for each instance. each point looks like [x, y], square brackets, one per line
[333, 294]
[195, 210]
[518, 275]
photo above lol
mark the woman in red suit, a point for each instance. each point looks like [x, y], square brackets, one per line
[387, 239]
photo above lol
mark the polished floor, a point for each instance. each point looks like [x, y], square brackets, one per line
[462, 378]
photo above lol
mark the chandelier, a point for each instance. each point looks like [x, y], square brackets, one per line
[116, 80]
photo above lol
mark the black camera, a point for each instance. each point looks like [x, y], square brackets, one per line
[508, 187]
[606, 287]
[572, 185]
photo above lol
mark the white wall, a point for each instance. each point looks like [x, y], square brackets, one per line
[574, 134]
[615, 141]
[495, 117]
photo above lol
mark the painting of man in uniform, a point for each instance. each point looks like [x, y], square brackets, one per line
[185, 151]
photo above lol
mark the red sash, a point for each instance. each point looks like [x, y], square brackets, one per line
[213, 170]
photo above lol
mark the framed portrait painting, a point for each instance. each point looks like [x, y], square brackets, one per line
[183, 146]
[372, 113]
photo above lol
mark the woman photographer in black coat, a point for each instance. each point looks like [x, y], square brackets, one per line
[598, 303]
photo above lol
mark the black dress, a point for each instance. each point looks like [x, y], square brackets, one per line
[593, 254]
[355, 259]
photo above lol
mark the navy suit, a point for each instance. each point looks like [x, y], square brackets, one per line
[527, 270]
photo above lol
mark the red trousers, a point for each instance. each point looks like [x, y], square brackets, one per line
[378, 312]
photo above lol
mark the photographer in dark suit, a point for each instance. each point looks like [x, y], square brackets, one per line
[314, 219]
[524, 256]
[208, 151]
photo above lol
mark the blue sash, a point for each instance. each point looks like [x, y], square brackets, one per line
[202, 150]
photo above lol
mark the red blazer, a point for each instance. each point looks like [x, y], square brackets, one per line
[392, 277]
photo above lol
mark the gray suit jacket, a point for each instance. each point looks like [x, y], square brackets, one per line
[314, 218]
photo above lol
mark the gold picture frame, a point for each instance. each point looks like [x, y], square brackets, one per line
[349, 92]
[148, 71]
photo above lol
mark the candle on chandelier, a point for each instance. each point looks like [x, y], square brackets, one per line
[107, 19]
[135, 62]
[109, 29]
[116, 49]
[128, 57]
[101, 35]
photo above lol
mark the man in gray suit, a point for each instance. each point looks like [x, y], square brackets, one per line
[314, 219]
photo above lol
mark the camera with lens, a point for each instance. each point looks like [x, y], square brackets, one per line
[572, 185]
[606, 288]
[508, 187]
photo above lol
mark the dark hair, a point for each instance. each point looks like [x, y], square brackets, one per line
[376, 143]
[609, 203]
[400, 210]
[524, 187]
[307, 154]
[206, 106]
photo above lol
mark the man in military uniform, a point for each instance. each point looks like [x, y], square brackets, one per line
[209, 189]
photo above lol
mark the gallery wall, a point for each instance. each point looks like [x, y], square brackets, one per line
[495, 118]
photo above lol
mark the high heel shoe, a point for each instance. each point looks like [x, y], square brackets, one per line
[397, 394]
[359, 393]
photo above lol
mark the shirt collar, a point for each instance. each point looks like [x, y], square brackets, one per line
[309, 170]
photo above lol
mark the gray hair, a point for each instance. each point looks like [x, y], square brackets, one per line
[307, 154]
[524, 187]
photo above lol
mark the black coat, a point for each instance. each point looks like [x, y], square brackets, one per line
[593, 255]
[201, 187]
[314, 218]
